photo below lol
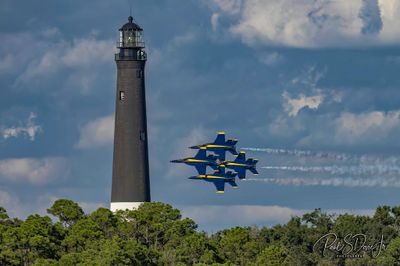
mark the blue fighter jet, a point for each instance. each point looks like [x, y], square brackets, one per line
[240, 165]
[220, 146]
[219, 178]
[200, 161]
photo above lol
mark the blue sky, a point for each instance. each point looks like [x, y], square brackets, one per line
[318, 76]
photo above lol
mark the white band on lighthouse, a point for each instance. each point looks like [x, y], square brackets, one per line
[115, 206]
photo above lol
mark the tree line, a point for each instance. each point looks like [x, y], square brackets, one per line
[157, 234]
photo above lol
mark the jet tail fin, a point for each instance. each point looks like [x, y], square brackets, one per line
[254, 171]
[233, 183]
[252, 161]
[231, 142]
[220, 140]
[241, 158]
[201, 154]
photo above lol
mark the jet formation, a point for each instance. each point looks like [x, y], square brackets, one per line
[216, 160]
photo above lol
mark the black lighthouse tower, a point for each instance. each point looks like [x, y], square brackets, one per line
[130, 177]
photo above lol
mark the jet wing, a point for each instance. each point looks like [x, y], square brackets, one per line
[241, 171]
[221, 154]
[201, 169]
[219, 185]
[201, 154]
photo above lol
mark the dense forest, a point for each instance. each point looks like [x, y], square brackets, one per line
[156, 234]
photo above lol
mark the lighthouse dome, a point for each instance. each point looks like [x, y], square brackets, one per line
[130, 26]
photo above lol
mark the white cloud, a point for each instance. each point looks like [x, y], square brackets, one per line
[369, 125]
[97, 133]
[81, 56]
[370, 14]
[337, 97]
[390, 15]
[84, 80]
[182, 39]
[7, 62]
[11, 203]
[319, 23]
[228, 6]
[238, 215]
[38, 204]
[298, 23]
[89, 207]
[51, 32]
[5, 199]
[29, 129]
[216, 217]
[14, 44]
[87, 52]
[280, 127]
[271, 59]
[293, 105]
[46, 65]
[372, 128]
[214, 21]
[33, 170]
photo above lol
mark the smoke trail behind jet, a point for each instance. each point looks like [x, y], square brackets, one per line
[337, 169]
[348, 158]
[336, 181]
[302, 153]
[354, 170]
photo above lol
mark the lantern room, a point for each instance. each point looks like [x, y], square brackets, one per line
[130, 42]
[130, 35]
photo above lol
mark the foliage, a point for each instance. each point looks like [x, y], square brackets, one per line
[157, 234]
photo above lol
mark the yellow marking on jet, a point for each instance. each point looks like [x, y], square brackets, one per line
[221, 133]
[212, 177]
[220, 192]
[236, 164]
[195, 161]
[216, 146]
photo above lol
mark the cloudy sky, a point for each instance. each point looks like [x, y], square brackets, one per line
[308, 87]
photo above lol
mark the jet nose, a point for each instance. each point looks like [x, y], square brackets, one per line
[192, 177]
[194, 147]
[176, 161]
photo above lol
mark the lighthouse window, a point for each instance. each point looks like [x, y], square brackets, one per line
[142, 136]
[139, 73]
[122, 95]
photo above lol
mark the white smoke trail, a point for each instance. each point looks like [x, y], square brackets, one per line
[303, 153]
[366, 159]
[365, 170]
[350, 170]
[336, 182]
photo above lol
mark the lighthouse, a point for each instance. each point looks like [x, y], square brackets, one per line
[130, 173]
